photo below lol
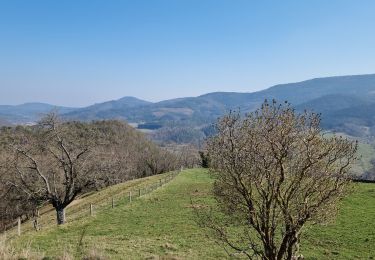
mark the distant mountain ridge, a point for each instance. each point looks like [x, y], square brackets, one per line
[107, 110]
[28, 112]
[346, 102]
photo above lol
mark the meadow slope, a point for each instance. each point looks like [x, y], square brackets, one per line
[161, 225]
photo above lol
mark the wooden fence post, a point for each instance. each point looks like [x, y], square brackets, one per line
[91, 210]
[139, 192]
[36, 220]
[130, 196]
[19, 226]
[36, 224]
[113, 202]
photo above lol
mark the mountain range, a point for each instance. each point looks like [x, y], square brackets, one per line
[347, 104]
[27, 113]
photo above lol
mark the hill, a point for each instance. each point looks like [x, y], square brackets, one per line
[161, 225]
[343, 113]
[342, 100]
[347, 104]
[361, 87]
[114, 109]
[4, 122]
[28, 112]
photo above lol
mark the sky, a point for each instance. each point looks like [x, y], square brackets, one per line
[80, 52]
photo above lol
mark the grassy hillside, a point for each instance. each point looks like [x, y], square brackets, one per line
[366, 153]
[161, 225]
[352, 236]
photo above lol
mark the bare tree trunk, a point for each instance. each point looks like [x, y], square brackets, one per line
[269, 252]
[293, 248]
[289, 246]
[60, 214]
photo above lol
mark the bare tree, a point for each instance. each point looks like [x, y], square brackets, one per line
[56, 161]
[53, 161]
[13, 204]
[188, 156]
[274, 171]
[158, 161]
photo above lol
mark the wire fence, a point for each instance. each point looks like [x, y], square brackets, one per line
[87, 206]
[363, 181]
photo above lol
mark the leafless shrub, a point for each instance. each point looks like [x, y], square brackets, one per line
[274, 172]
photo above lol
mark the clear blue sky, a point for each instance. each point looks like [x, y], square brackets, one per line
[79, 52]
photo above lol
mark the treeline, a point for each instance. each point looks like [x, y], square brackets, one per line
[179, 135]
[54, 162]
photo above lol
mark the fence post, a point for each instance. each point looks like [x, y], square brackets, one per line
[36, 220]
[36, 224]
[91, 210]
[19, 226]
[113, 202]
[130, 196]
[139, 192]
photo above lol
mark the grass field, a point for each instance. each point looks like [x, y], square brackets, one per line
[161, 225]
[366, 153]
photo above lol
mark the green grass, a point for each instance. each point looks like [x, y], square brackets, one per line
[79, 209]
[158, 224]
[352, 236]
[161, 225]
[366, 153]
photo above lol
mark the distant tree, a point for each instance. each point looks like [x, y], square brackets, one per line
[158, 161]
[179, 135]
[370, 173]
[14, 204]
[204, 159]
[188, 156]
[275, 172]
[53, 161]
[185, 155]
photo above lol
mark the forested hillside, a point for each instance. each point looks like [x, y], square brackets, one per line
[347, 104]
